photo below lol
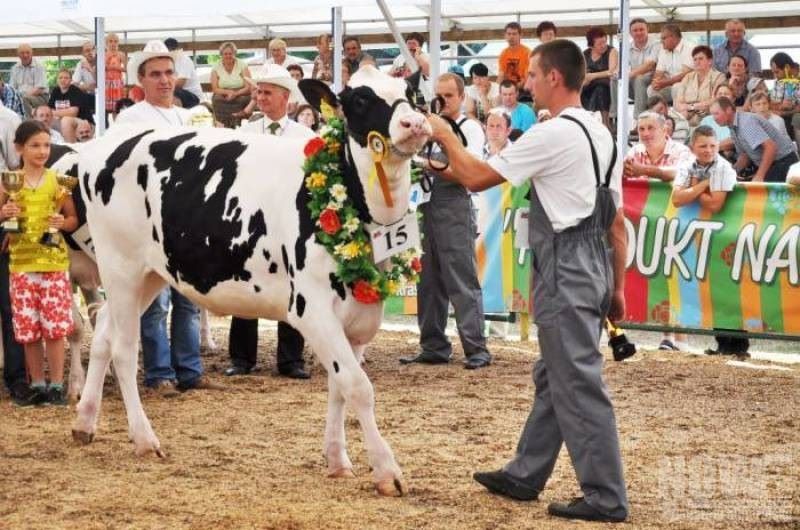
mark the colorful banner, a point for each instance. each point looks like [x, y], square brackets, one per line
[686, 268]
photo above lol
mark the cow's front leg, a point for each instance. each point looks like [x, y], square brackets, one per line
[328, 341]
[339, 464]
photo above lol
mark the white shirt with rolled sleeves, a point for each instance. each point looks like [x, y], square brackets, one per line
[555, 157]
[722, 176]
[9, 121]
[673, 61]
[288, 128]
[184, 69]
[144, 112]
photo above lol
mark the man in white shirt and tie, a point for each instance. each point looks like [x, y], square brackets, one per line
[274, 87]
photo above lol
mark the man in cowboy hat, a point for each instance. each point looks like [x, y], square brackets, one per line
[274, 86]
[165, 361]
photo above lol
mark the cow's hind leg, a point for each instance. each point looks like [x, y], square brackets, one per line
[329, 343]
[207, 342]
[91, 396]
[77, 377]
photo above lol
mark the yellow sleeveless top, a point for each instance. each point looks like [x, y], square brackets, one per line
[27, 253]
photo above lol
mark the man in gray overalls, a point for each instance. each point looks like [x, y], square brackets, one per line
[578, 241]
[449, 267]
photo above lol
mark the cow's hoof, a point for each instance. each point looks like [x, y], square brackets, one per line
[391, 487]
[342, 472]
[82, 437]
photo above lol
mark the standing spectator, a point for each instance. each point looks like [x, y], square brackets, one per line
[187, 86]
[449, 268]
[674, 62]
[601, 65]
[278, 55]
[736, 45]
[414, 42]
[482, 95]
[10, 99]
[41, 298]
[323, 63]
[231, 93]
[722, 133]
[29, 80]
[69, 104]
[656, 155]
[680, 129]
[696, 92]
[741, 82]
[274, 88]
[759, 103]
[522, 116]
[546, 31]
[352, 55]
[643, 58]
[756, 141]
[44, 114]
[785, 95]
[165, 360]
[85, 75]
[115, 71]
[513, 62]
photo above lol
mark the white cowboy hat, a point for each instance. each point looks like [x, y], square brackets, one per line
[153, 49]
[275, 74]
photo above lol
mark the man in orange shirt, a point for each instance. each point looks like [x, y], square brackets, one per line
[513, 62]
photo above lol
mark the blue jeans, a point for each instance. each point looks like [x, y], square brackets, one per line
[13, 352]
[181, 361]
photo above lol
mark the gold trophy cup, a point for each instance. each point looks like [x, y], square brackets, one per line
[13, 181]
[52, 238]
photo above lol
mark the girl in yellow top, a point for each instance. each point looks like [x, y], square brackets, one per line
[41, 298]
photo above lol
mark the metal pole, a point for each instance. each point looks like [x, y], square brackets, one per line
[398, 37]
[194, 47]
[338, 33]
[58, 43]
[435, 32]
[708, 31]
[624, 73]
[100, 91]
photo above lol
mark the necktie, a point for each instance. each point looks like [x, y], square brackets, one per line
[273, 128]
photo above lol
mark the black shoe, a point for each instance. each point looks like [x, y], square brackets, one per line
[56, 396]
[236, 370]
[295, 372]
[502, 484]
[24, 396]
[425, 358]
[580, 509]
[477, 361]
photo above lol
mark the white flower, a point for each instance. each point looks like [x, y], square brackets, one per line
[351, 225]
[338, 192]
[333, 205]
[325, 130]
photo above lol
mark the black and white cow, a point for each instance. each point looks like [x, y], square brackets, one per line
[222, 216]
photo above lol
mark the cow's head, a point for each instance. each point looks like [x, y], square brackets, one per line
[377, 111]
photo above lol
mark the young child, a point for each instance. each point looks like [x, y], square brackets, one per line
[759, 104]
[707, 178]
[41, 298]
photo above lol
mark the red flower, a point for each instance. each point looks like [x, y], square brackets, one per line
[416, 265]
[314, 146]
[365, 293]
[329, 221]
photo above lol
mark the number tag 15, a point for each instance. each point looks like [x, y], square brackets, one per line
[395, 238]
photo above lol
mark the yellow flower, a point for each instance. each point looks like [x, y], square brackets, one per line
[333, 147]
[316, 180]
[349, 250]
[391, 286]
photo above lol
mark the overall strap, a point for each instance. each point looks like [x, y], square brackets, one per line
[595, 162]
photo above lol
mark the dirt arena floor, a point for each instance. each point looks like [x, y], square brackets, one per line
[706, 445]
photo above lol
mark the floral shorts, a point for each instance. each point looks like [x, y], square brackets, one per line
[41, 305]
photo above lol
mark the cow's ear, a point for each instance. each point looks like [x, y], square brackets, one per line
[315, 92]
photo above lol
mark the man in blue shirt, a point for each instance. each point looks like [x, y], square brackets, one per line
[522, 116]
[736, 45]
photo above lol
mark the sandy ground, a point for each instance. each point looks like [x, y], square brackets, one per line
[705, 445]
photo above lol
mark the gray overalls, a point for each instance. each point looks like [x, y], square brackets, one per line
[449, 271]
[572, 288]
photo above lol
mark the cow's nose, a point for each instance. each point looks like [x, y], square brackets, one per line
[416, 123]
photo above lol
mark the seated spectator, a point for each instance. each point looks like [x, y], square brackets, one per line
[522, 116]
[323, 69]
[28, 79]
[785, 95]
[742, 83]
[513, 62]
[756, 141]
[231, 93]
[722, 133]
[84, 131]
[482, 95]
[10, 99]
[414, 42]
[601, 65]
[642, 59]
[498, 127]
[793, 175]
[85, 75]
[308, 116]
[44, 114]
[656, 155]
[546, 31]
[759, 104]
[68, 104]
[674, 62]
[278, 54]
[707, 177]
[736, 45]
[658, 104]
[696, 92]
[296, 71]
[352, 56]
[187, 86]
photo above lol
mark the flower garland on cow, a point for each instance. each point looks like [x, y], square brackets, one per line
[341, 231]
